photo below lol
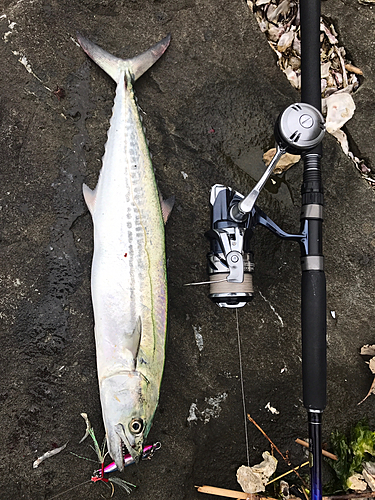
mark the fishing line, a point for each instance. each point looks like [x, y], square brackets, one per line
[242, 390]
[70, 489]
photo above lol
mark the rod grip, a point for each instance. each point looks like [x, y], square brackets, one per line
[314, 356]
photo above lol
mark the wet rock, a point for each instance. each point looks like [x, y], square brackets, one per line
[209, 108]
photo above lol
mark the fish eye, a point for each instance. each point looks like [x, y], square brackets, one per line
[136, 426]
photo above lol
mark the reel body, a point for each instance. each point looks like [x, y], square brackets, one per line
[230, 261]
[299, 129]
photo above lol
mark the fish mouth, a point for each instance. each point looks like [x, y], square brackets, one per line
[124, 415]
[129, 443]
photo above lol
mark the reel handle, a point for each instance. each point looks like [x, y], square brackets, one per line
[298, 129]
[245, 206]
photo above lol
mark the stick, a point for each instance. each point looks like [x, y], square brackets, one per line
[353, 69]
[346, 496]
[324, 452]
[221, 492]
[269, 439]
[287, 473]
[211, 490]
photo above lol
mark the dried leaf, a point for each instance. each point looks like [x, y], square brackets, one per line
[368, 350]
[48, 454]
[254, 479]
[356, 482]
[285, 162]
[371, 391]
[88, 426]
[340, 108]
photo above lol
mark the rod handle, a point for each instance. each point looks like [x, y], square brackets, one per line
[314, 356]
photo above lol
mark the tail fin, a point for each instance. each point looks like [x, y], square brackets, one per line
[115, 65]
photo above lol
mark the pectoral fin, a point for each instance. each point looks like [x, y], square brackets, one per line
[90, 197]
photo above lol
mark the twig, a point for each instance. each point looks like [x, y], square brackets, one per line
[221, 492]
[346, 496]
[269, 439]
[286, 473]
[353, 69]
[371, 391]
[324, 452]
[277, 449]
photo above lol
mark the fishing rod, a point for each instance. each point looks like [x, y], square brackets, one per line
[298, 130]
[313, 296]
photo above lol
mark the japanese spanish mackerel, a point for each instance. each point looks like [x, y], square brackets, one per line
[128, 276]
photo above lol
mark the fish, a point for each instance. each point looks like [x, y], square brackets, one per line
[128, 273]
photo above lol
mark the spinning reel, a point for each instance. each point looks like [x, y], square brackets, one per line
[298, 130]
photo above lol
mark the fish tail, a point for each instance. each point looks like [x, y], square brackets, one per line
[115, 66]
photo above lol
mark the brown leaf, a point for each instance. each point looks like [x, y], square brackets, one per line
[368, 350]
[283, 164]
[371, 391]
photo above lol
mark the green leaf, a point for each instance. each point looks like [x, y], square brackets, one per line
[351, 451]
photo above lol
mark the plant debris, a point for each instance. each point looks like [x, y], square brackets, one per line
[369, 350]
[324, 452]
[285, 162]
[279, 20]
[88, 426]
[274, 447]
[254, 479]
[48, 454]
[352, 452]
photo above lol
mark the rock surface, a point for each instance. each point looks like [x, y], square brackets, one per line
[209, 108]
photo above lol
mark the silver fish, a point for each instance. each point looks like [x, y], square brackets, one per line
[128, 277]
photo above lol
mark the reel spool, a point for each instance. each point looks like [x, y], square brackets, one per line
[229, 293]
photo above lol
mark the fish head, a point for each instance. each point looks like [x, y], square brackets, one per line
[127, 414]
